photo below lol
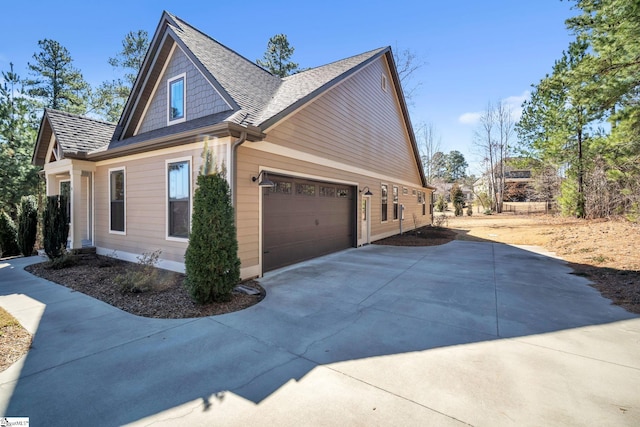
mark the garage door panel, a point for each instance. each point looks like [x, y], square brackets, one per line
[304, 219]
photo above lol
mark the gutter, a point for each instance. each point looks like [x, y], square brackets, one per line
[233, 176]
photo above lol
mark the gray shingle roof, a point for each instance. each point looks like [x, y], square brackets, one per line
[78, 133]
[250, 86]
[260, 95]
[258, 98]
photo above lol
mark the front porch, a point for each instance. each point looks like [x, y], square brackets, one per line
[74, 179]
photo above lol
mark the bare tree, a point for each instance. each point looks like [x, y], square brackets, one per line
[493, 138]
[407, 63]
[429, 145]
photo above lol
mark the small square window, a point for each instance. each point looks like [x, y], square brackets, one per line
[343, 192]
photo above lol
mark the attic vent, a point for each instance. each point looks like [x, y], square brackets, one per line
[384, 83]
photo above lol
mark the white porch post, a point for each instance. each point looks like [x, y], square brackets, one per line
[75, 234]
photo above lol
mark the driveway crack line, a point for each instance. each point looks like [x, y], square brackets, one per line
[393, 279]
[397, 395]
[576, 354]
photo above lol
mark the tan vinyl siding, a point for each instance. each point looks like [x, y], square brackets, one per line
[248, 217]
[356, 122]
[146, 206]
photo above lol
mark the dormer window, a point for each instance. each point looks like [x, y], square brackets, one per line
[176, 91]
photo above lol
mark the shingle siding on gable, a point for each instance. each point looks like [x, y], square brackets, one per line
[202, 99]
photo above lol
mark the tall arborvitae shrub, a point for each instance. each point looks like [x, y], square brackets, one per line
[457, 197]
[55, 226]
[27, 224]
[211, 261]
[8, 245]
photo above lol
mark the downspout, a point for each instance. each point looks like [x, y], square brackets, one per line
[234, 172]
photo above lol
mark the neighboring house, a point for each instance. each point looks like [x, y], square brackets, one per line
[518, 181]
[443, 188]
[336, 141]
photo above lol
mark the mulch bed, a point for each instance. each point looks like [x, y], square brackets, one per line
[423, 236]
[95, 276]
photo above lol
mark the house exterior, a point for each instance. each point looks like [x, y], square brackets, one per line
[518, 180]
[336, 141]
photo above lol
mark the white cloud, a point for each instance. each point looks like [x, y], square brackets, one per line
[470, 118]
[515, 104]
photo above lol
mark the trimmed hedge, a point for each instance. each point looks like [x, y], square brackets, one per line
[211, 260]
[27, 224]
[8, 234]
[55, 226]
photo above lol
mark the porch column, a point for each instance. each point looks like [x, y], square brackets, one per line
[75, 234]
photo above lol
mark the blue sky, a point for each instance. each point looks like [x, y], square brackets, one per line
[473, 51]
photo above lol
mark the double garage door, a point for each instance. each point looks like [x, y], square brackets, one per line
[303, 219]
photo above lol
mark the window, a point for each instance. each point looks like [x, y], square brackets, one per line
[282, 187]
[343, 192]
[176, 113]
[116, 191]
[179, 198]
[384, 192]
[306, 190]
[424, 204]
[395, 203]
[327, 191]
[65, 192]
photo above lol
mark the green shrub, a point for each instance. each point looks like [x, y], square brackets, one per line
[143, 277]
[8, 234]
[469, 210]
[211, 260]
[441, 203]
[63, 261]
[55, 226]
[27, 224]
[458, 199]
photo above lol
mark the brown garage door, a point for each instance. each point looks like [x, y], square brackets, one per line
[304, 219]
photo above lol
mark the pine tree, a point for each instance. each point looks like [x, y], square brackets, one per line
[18, 130]
[56, 83]
[109, 98]
[277, 58]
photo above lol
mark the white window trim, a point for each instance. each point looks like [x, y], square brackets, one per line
[122, 233]
[385, 220]
[166, 197]
[182, 76]
[395, 203]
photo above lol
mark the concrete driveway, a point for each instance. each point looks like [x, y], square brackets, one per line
[464, 333]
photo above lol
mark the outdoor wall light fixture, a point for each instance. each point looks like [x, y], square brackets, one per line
[265, 181]
[368, 193]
